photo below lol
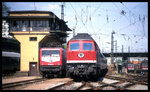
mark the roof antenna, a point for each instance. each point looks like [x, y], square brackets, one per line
[34, 6]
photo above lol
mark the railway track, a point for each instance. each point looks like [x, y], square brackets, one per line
[68, 86]
[20, 83]
[133, 79]
[86, 86]
[110, 82]
[117, 83]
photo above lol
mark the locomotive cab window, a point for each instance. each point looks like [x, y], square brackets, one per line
[45, 53]
[55, 53]
[145, 65]
[51, 53]
[87, 46]
[130, 65]
[74, 46]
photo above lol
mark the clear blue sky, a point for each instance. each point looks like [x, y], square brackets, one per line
[128, 19]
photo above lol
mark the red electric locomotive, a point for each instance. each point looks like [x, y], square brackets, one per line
[144, 66]
[130, 67]
[84, 58]
[52, 61]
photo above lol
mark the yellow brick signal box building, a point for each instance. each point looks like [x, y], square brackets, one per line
[34, 30]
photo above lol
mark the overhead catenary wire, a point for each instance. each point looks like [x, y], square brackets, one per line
[129, 10]
[135, 14]
[133, 23]
[108, 21]
[97, 8]
[79, 17]
[34, 6]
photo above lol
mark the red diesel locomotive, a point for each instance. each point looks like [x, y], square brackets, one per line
[52, 61]
[84, 58]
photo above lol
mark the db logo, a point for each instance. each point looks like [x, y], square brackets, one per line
[80, 55]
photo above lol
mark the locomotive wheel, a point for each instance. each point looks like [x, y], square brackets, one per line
[60, 74]
[44, 75]
[67, 74]
[63, 73]
[103, 72]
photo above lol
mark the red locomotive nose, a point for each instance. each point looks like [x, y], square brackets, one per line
[81, 50]
[84, 57]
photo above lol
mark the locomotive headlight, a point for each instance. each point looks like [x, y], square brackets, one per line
[81, 55]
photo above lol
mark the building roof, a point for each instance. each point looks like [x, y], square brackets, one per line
[30, 11]
[31, 14]
[28, 15]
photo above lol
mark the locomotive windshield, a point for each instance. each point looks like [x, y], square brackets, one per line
[46, 53]
[55, 53]
[130, 65]
[74, 46]
[50, 52]
[145, 65]
[87, 46]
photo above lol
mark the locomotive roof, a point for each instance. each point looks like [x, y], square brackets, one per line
[83, 36]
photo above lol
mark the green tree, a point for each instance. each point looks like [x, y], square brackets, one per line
[65, 46]
[119, 61]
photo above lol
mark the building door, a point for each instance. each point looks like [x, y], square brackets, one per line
[32, 68]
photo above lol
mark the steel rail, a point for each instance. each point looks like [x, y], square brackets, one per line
[20, 83]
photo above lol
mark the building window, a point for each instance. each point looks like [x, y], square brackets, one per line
[19, 25]
[29, 25]
[33, 38]
[38, 25]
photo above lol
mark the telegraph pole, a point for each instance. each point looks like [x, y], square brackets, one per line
[112, 47]
[129, 52]
[122, 52]
[62, 14]
[34, 6]
[62, 11]
[73, 32]
[122, 49]
[99, 41]
[116, 46]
